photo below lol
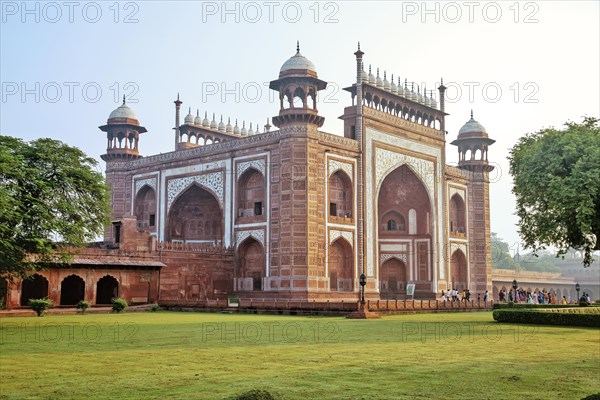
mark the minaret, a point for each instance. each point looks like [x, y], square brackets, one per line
[474, 139]
[298, 79]
[177, 108]
[360, 168]
[123, 132]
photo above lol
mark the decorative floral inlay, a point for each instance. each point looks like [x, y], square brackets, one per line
[212, 181]
[335, 165]
[259, 165]
[334, 234]
[258, 234]
[149, 181]
[386, 160]
[384, 257]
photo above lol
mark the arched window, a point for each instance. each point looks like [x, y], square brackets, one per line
[251, 196]
[35, 287]
[145, 209]
[457, 215]
[340, 195]
[391, 225]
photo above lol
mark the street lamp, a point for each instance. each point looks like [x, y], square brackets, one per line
[515, 285]
[363, 282]
[577, 288]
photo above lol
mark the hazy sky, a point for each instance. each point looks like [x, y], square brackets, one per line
[520, 66]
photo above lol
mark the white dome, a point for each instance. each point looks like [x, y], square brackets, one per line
[189, 119]
[472, 126]
[298, 61]
[198, 120]
[123, 111]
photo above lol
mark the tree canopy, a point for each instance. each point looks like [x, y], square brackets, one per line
[556, 177]
[51, 197]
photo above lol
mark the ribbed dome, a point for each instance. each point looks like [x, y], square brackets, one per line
[472, 126]
[123, 111]
[298, 61]
[189, 119]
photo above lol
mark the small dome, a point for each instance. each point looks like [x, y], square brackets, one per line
[213, 123]
[297, 62]
[236, 128]
[189, 119]
[371, 77]
[244, 131]
[363, 75]
[393, 86]
[198, 120]
[378, 80]
[221, 125]
[386, 83]
[472, 126]
[123, 111]
[228, 127]
[205, 121]
[250, 131]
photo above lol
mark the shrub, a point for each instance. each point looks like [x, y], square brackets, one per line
[256, 394]
[155, 308]
[119, 304]
[581, 318]
[83, 305]
[503, 306]
[40, 305]
[2, 305]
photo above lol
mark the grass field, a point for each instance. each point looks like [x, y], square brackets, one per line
[170, 355]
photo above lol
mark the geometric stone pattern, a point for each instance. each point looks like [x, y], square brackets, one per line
[258, 234]
[334, 234]
[335, 165]
[386, 160]
[384, 257]
[212, 181]
[149, 181]
[259, 165]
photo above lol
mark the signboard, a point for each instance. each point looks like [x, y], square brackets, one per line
[410, 290]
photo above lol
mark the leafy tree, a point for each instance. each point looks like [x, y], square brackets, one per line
[49, 193]
[556, 177]
[501, 257]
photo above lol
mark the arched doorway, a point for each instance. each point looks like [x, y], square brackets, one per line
[251, 264]
[72, 290]
[35, 287]
[195, 216]
[145, 209]
[393, 278]
[458, 271]
[106, 288]
[341, 266]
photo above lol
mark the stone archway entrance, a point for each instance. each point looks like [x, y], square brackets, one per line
[34, 288]
[106, 288]
[393, 278]
[252, 265]
[72, 290]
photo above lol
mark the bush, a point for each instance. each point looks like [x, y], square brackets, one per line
[256, 394]
[503, 306]
[40, 305]
[119, 304]
[155, 308]
[581, 318]
[83, 305]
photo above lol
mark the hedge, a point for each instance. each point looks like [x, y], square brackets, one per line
[502, 306]
[581, 318]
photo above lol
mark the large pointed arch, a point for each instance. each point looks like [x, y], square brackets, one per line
[195, 215]
[340, 265]
[145, 208]
[340, 194]
[72, 290]
[107, 288]
[393, 278]
[251, 196]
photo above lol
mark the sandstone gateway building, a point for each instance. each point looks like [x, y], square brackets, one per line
[291, 212]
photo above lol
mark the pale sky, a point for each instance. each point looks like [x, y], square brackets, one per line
[520, 66]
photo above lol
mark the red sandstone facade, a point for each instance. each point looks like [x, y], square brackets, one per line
[294, 213]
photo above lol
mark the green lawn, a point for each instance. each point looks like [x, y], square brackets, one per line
[170, 355]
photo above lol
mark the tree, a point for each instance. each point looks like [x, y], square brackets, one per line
[51, 197]
[556, 177]
[501, 257]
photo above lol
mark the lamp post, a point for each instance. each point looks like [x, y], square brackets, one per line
[577, 288]
[515, 285]
[363, 282]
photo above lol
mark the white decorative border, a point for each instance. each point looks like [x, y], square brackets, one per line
[259, 165]
[336, 165]
[258, 234]
[212, 181]
[461, 192]
[334, 234]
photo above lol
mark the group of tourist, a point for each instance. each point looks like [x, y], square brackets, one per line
[541, 297]
[465, 295]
